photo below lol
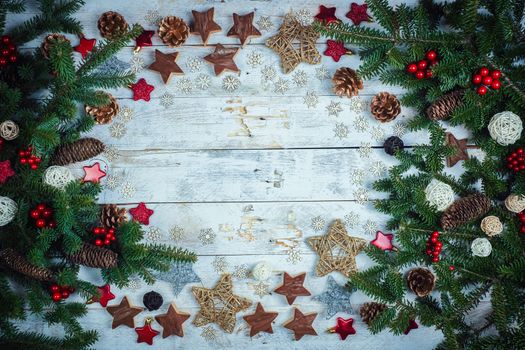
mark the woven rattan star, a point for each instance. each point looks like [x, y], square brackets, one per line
[336, 250]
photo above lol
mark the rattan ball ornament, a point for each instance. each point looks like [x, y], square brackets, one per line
[481, 247]
[439, 194]
[491, 225]
[8, 209]
[505, 128]
[515, 203]
[58, 176]
[9, 130]
[262, 271]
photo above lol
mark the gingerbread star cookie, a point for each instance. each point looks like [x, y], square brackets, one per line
[165, 65]
[243, 27]
[260, 321]
[124, 313]
[204, 25]
[301, 324]
[222, 59]
[293, 287]
[172, 322]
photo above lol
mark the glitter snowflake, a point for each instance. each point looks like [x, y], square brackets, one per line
[203, 81]
[209, 334]
[304, 17]
[281, 86]
[294, 255]
[261, 289]
[113, 182]
[230, 83]
[194, 64]
[321, 73]
[317, 223]
[334, 108]
[118, 130]
[184, 85]
[127, 190]
[207, 236]
[370, 227]
[311, 99]
[241, 271]
[255, 58]
[365, 150]
[112, 153]
[357, 176]
[137, 64]
[166, 100]
[377, 133]
[300, 78]
[351, 220]
[125, 114]
[154, 234]
[268, 73]
[220, 265]
[265, 23]
[356, 104]
[341, 130]
[361, 196]
[399, 129]
[378, 168]
[134, 283]
[177, 233]
[360, 123]
[153, 18]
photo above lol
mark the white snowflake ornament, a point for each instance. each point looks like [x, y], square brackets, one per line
[334, 108]
[311, 99]
[230, 83]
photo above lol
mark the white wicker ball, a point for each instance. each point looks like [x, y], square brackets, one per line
[9, 130]
[58, 176]
[515, 203]
[8, 209]
[262, 271]
[439, 194]
[481, 247]
[491, 225]
[505, 128]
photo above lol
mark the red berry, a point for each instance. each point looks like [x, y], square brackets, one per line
[422, 64]
[482, 90]
[435, 234]
[65, 294]
[432, 55]
[412, 68]
[435, 253]
[41, 207]
[108, 236]
[21, 153]
[487, 80]
[428, 251]
[96, 230]
[98, 242]
[52, 224]
[34, 166]
[5, 51]
[435, 259]
[40, 223]
[13, 58]
[55, 288]
[520, 150]
[107, 241]
[484, 71]
[496, 85]
[476, 79]
[420, 74]
[23, 161]
[451, 268]
[56, 297]
[428, 73]
[47, 213]
[496, 74]
[111, 231]
[3, 61]
[439, 244]
[11, 47]
[6, 39]
[434, 239]
[522, 229]
[113, 238]
[35, 214]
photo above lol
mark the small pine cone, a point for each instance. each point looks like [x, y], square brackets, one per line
[112, 216]
[385, 107]
[464, 210]
[421, 281]
[77, 151]
[92, 256]
[48, 41]
[104, 114]
[17, 262]
[443, 107]
[173, 31]
[112, 25]
[347, 82]
[370, 310]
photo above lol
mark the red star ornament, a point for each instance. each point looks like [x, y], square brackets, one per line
[5, 171]
[93, 173]
[104, 295]
[85, 46]
[141, 213]
[357, 14]
[141, 90]
[343, 327]
[336, 49]
[146, 333]
[384, 241]
[144, 39]
[326, 15]
[411, 325]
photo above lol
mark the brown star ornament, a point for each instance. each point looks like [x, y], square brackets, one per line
[124, 313]
[260, 321]
[460, 147]
[301, 324]
[165, 65]
[172, 321]
[204, 25]
[243, 27]
[337, 250]
[292, 287]
[222, 59]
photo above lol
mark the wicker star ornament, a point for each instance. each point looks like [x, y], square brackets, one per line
[337, 250]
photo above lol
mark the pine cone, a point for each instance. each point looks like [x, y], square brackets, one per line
[104, 114]
[173, 31]
[421, 281]
[77, 151]
[443, 107]
[369, 311]
[92, 256]
[385, 107]
[17, 262]
[48, 41]
[112, 25]
[112, 216]
[347, 82]
[464, 210]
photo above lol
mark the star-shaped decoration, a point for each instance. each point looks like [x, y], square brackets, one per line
[411, 325]
[243, 27]
[292, 287]
[336, 298]
[219, 305]
[336, 49]
[123, 313]
[260, 321]
[222, 59]
[5, 171]
[384, 241]
[141, 90]
[146, 334]
[460, 147]
[301, 324]
[204, 25]
[337, 250]
[343, 327]
[104, 295]
[141, 213]
[178, 276]
[85, 46]
[93, 173]
[144, 39]
[165, 65]
[357, 14]
[326, 15]
[172, 322]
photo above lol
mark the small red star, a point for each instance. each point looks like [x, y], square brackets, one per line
[93, 173]
[146, 333]
[104, 295]
[142, 90]
[335, 49]
[141, 213]
[343, 327]
[326, 15]
[383, 241]
[358, 13]
[144, 39]
[5, 171]
[85, 46]
[411, 325]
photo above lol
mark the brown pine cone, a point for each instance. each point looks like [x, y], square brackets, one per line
[77, 151]
[443, 107]
[464, 210]
[92, 256]
[104, 114]
[17, 262]
[48, 41]
[347, 82]
[370, 310]
[173, 31]
[385, 107]
[421, 281]
[112, 25]
[112, 216]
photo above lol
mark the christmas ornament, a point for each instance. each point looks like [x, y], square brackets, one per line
[301, 324]
[26, 157]
[421, 281]
[172, 321]
[326, 15]
[444, 106]
[505, 128]
[516, 160]
[219, 305]
[491, 225]
[486, 79]
[422, 69]
[204, 25]
[243, 27]
[371, 310]
[357, 14]
[262, 271]
[112, 25]
[173, 31]
[42, 216]
[93, 173]
[146, 333]
[346, 82]
[15, 261]
[92, 256]
[383, 241]
[222, 59]
[515, 203]
[260, 321]
[104, 114]
[460, 147]
[5, 171]
[124, 313]
[346, 249]
[393, 144]
[77, 151]
[481, 247]
[144, 39]
[165, 65]
[434, 246]
[141, 213]
[8, 53]
[9, 130]
[178, 276]
[292, 287]
[411, 325]
[439, 194]
[141, 90]
[385, 107]
[103, 296]
[336, 298]
[336, 49]
[111, 216]
[58, 177]
[8, 210]
[85, 46]
[104, 236]
[152, 300]
[464, 210]
[343, 327]
[48, 41]
[59, 293]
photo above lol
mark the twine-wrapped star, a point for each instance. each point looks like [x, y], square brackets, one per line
[336, 298]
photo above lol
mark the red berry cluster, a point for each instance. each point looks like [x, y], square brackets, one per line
[43, 216]
[434, 246]
[485, 78]
[7, 51]
[108, 234]
[516, 160]
[59, 293]
[422, 68]
[521, 216]
[28, 158]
